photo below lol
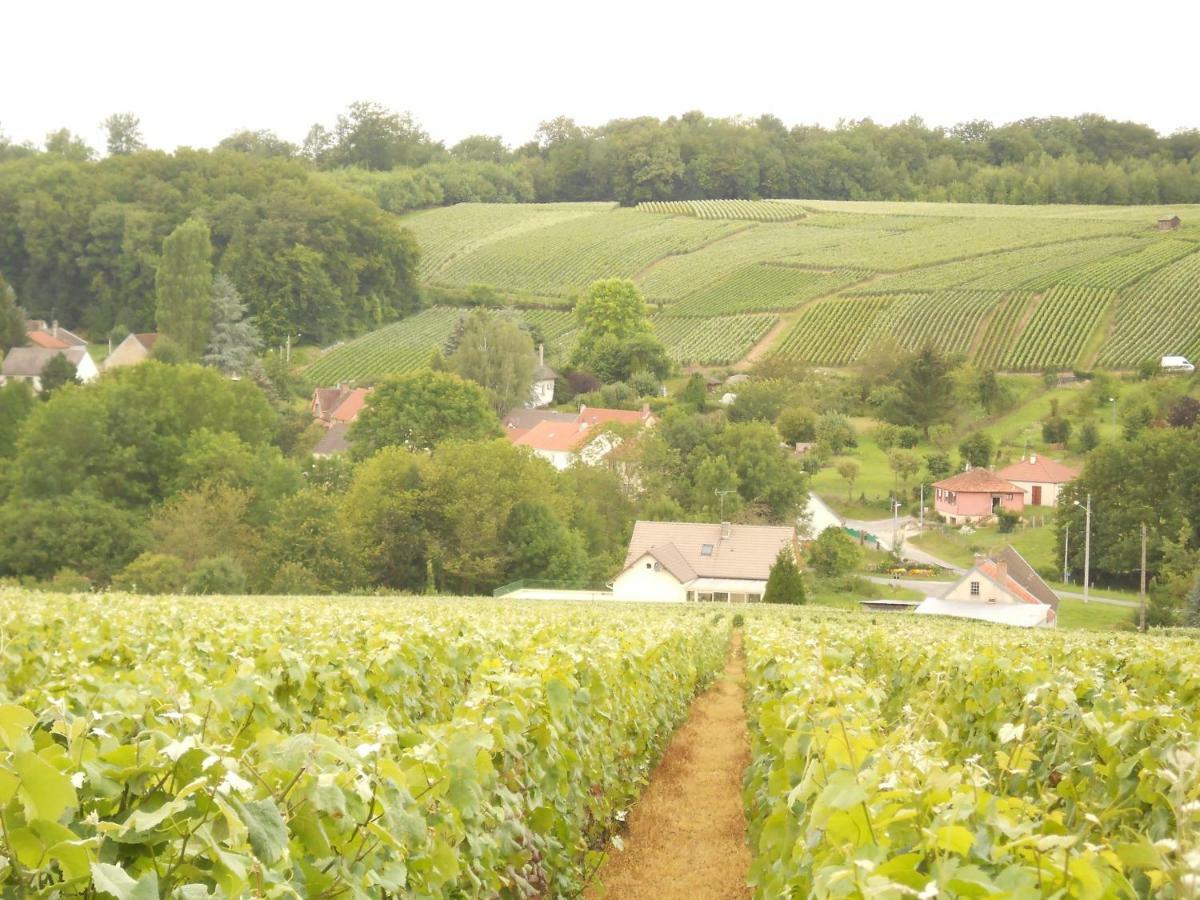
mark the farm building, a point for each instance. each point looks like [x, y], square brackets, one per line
[1168, 223]
[684, 562]
[1040, 478]
[1003, 589]
[974, 495]
[52, 336]
[134, 349]
[26, 364]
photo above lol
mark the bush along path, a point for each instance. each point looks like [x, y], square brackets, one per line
[686, 836]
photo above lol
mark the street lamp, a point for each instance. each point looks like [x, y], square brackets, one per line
[896, 504]
[1113, 401]
[1087, 545]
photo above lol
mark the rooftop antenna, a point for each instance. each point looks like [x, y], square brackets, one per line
[722, 494]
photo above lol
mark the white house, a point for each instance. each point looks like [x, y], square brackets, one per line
[682, 562]
[1040, 478]
[1176, 364]
[1003, 589]
[26, 364]
[542, 393]
[580, 438]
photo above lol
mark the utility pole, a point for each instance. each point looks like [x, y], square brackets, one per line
[922, 507]
[1066, 550]
[895, 526]
[1113, 401]
[1087, 549]
[1142, 587]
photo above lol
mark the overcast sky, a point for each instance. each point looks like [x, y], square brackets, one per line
[197, 72]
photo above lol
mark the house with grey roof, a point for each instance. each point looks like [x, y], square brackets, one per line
[682, 562]
[26, 364]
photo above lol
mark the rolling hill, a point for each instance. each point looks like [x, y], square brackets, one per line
[1020, 288]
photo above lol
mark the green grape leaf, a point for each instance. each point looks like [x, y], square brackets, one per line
[267, 832]
[45, 791]
[15, 722]
[116, 881]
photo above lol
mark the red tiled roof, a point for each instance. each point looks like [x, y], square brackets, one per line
[976, 481]
[603, 416]
[1009, 583]
[551, 436]
[46, 341]
[1040, 469]
[351, 406]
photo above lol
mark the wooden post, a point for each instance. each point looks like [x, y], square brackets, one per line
[1142, 588]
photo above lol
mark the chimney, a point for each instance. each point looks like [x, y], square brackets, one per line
[726, 530]
[1033, 457]
[541, 354]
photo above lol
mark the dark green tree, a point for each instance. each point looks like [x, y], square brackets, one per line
[925, 391]
[540, 546]
[784, 584]
[834, 553]
[16, 403]
[977, 450]
[183, 287]
[422, 409]
[218, 575]
[12, 318]
[57, 372]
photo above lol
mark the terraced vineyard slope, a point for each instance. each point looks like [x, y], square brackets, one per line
[1019, 287]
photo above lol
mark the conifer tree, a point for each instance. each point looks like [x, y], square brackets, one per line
[784, 584]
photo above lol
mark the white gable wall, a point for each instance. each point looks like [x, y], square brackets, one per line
[1049, 492]
[646, 580]
[989, 591]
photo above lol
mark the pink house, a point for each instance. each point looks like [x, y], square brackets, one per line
[974, 495]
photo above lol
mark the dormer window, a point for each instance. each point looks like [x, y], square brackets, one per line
[706, 550]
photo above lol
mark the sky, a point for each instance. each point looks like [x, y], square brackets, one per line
[195, 73]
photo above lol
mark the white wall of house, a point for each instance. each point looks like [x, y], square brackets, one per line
[989, 592]
[1049, 492]
[542, 393]
[647, 581]
[86, 370]
[560, 459]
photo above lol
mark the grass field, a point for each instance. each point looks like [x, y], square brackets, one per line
[1014, 287]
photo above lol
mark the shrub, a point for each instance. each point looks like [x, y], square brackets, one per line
[907, 437]
[1056, 430]
[69, 581]
[217, 575]
[152, 573]
[834, 553]
[295, 578]
[1007, 521]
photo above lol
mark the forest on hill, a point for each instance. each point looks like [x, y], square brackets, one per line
[301, 228]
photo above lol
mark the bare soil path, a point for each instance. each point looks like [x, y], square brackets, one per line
[686, 836]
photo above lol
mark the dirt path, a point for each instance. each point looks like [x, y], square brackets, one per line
[766, 342]
[686, 836]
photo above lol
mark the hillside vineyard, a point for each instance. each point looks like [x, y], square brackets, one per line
[1018, 288]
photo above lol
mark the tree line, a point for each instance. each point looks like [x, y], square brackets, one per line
[83, 241]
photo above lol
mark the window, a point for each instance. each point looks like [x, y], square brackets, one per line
[974, 588]
[706, 550]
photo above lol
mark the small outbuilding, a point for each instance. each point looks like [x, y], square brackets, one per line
[1003, 589]
[975, 495]
[1168, 223]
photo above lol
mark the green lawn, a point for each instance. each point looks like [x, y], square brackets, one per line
[1092, 616]
[1038, 545]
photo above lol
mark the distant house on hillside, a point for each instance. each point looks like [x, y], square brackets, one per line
[542, 392]
[26, 364]
[336, 408]
[521, 420]
[975, 495]
[1168, 224]
[1003, 589]
[681, 562]
[51, 337]
[134, 349]
[1040, 478]
[581, 438]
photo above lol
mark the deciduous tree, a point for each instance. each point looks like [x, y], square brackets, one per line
[422, 409]
[183, 287]
[496, 354]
